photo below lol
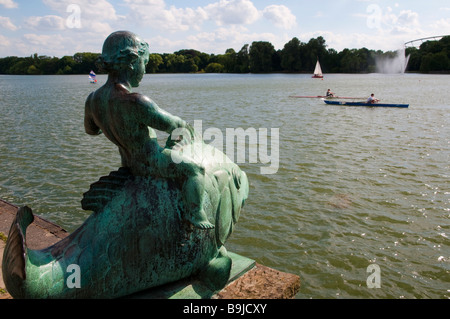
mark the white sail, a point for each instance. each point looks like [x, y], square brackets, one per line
[318, 70]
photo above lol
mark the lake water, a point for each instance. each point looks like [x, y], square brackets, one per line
[355, 186]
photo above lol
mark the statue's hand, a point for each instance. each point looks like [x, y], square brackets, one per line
[185, 134]
[178, 135]
[194, 135]
[171, 142]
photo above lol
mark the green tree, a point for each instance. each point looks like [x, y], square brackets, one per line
[432, 56]
[435, 62]
[7, 63]
[33, 70]
[173, 62]
[291, 56]
[243, 60]
[66, 64]
[48, 65]
[201, 60]
[261, 57]
[332, 61]
[154, 61]
[356, 60]
[313, 50]
[21, 66]
[214, 68]
[228, 60]
[415, 59]
[176, 63]
[67, 70]
[85, 62]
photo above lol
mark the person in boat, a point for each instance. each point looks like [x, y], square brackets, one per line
[329, 93]
[128, 120]
[372, 99]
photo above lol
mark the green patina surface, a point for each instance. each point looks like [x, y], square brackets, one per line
[194, 288]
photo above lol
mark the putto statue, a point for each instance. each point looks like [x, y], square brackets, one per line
[163, 216]
[127, 119]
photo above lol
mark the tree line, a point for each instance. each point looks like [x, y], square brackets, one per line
[432, 56]
[259, 57]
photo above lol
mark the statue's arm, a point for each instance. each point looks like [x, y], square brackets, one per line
[89, 125]
[157, 118]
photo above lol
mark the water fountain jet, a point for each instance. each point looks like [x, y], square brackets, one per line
[393, 64]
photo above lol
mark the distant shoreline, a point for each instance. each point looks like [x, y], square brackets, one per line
[284, 73]
[260, 57]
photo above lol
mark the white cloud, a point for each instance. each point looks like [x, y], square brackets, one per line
[50, 22]
[406, 22]
[96, 18]
[6, 23]
[4, 41]
[59, 44]
[156, 14]
[356, 40]
[189, 17]
[408, 18]
[153, 13]
[281, 16]
[233, 12]
[442, 24]
[388, 21]
[37, 39]
[51, 43]
[217, 40]
[212, 27]
[90, 11]
[9, 4]
[222, 38]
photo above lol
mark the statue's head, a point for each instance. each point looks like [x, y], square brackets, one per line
[125, 53]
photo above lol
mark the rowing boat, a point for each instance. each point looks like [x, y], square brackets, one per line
[325, 97]
[364, 104]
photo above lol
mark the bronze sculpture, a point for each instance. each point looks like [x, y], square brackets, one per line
[163, 216]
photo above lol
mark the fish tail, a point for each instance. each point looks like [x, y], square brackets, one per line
[15, 253]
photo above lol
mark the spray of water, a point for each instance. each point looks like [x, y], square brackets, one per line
[395, 64]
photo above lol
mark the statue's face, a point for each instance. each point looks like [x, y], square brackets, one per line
[138, 70]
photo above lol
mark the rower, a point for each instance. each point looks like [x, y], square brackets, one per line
[329, 93]
[372, 99]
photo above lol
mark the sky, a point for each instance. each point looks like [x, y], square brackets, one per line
[65, 27]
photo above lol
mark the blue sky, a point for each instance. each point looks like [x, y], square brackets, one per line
[64, 27]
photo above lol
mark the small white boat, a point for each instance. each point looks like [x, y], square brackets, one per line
[318, 71]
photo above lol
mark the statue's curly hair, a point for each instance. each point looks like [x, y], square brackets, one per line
[120, 50]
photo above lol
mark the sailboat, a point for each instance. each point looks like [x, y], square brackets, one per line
[318, 71]
[92, 78]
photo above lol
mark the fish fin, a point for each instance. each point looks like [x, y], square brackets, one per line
[224, 222]
[101, 192]
[217, 273]
[14, 255]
